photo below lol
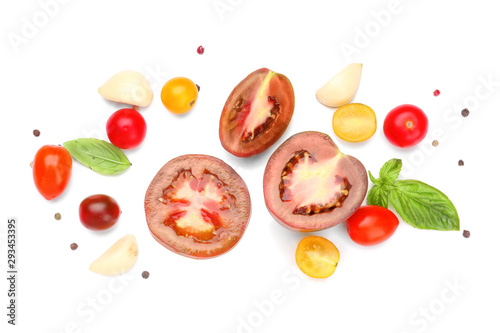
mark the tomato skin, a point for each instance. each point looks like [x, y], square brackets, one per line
[99, 212]
[179, 95]
[371, 225]
[126, 128]
[405, 125]
[52, 170]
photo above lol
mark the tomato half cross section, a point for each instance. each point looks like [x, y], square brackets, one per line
[197, 206]
[310, 185]
[257, 113]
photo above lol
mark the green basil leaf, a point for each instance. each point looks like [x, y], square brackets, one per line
[378, 195]
[98, 155]
[390, 171]
[373, 179]
[423, 206]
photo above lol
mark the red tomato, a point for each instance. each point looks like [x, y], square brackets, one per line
[99, 212]
[52, 170]
[405, 125]
[126, 128]
[371, 225]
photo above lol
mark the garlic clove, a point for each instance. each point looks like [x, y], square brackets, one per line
[118, 259]
[128, 87]
[341, 89]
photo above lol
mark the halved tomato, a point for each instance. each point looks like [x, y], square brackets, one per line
[257, 113]
[310, 185]
[197, 206]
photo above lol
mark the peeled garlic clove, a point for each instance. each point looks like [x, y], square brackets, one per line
[128, 87]
[118, 259]
[341, 89]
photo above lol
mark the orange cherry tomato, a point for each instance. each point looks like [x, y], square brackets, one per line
[179, 95]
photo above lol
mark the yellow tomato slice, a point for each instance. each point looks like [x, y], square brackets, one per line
[317, 256]
[354, 122]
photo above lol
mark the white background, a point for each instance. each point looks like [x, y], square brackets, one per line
[50, 81]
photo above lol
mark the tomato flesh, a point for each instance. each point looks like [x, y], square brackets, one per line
[371, 225]
[197, 206]
[314, 187]
[405, 125]
[317, 256]
[52, 170]
[99, 212]
[126, 128]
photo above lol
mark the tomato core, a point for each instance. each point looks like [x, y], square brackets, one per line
[197, 205]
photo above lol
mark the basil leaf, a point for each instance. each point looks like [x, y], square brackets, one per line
[423, 206]
[373, 179]
[378, 195]
[390, 170]
[98, 155]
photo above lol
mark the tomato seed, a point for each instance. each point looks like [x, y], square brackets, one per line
[465, 112]
[145, 274]
[436, 92]
[201, 50]
[435, 143]
[36, 133]
[74, 246]
[460, 163]
[57, 216]
[466, 233]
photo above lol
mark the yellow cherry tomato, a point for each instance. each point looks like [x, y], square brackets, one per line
[179, 95]
[354, 122]
[317, 256]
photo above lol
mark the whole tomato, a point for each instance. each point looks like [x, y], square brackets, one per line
[126, 128]
[405, 125]
[179, 95]
[371, 225]
[99, 212]
[52, 170]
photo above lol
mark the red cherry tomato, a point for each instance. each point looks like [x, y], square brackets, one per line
[126, 128]
[52, 170]
[371, 225]
[405, 125]
[99, 212]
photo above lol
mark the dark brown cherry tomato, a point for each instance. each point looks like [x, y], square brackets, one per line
[99, 212]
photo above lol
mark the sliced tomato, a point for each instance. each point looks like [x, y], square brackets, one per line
[310, 185]
[197, 206]
[257, 113]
